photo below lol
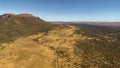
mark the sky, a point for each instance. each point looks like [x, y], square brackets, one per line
[65, 10]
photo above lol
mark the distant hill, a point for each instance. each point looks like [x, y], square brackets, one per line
[112, 24]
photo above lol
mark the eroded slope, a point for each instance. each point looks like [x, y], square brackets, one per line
[63, 45]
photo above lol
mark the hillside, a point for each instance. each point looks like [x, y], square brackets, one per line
[56, 45]
[12, 25]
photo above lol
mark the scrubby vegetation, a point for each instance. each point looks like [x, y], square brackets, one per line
[102, 54]
[38, 44]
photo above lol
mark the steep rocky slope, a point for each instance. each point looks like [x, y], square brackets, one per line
[22, 24]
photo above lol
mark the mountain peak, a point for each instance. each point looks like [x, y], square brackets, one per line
[25, 15]
[19, 19]
[7, 15]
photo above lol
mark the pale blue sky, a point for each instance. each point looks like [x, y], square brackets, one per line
[65, 10]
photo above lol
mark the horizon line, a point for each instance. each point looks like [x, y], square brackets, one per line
[75, 21]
